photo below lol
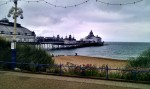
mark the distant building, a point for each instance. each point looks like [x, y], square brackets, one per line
[91, 38]
[22, 33]
[40, 39]
[67, 40]
[70, 40]
[49, 39]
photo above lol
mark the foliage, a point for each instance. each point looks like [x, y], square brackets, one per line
[30, 54]
[53, 69]
[142, 61]
[143, 76]
[102, 70]
[25, 54]
[5, 51]
[34, 56]
[93, 71]
[84, 70]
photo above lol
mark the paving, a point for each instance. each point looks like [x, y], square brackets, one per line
[83, 80]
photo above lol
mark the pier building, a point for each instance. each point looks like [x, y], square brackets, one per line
[22, 34]
[70, 40]
[91, 38]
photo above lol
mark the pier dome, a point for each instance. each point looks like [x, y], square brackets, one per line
[90, 35]
[92, 38]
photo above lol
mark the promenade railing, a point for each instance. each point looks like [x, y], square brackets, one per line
[90, 71]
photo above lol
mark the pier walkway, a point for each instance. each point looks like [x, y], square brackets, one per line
[60, 45]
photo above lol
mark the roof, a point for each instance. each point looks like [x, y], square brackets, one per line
[4, 20]
[7, 27]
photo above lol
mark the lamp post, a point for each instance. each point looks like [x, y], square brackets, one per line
[15, 11]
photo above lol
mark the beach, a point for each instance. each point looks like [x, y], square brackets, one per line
[97, 61]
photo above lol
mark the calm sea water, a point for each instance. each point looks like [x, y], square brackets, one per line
[117, 50]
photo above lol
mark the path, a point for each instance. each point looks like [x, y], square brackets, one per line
[83, 80]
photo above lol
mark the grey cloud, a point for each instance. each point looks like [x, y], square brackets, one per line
[106, 21]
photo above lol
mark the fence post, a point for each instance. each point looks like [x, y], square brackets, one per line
[91, 71]
[0, 53]
[21, 66]
[134, 75]
[0, 56]
[106, 71]
[38, 67]
[80, 70]
[60, 72]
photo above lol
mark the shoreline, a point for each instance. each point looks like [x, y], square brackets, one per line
[104, 58]
[84, 60]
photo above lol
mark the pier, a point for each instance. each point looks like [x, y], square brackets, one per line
[60, 45]
[53, 43]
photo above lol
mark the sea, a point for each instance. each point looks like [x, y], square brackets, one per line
[114, 50]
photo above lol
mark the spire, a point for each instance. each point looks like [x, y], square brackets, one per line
[91, 33]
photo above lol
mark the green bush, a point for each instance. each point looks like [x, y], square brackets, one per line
[114, 75]
[30, 54]
[142, 61]
[25, 54]
[85, 70]
[102, 72]
[5, 51]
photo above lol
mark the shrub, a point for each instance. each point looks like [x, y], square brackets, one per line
[84, 70]
[102, 72]
[29, 54]
[142, 61]
[5, 51]
[25, 54]
[143, 76]
[114, 75]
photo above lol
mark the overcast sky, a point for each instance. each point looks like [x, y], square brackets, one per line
[129, 23]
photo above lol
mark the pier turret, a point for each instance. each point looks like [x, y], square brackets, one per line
[91, 38]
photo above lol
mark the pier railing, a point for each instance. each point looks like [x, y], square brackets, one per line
[89, 71]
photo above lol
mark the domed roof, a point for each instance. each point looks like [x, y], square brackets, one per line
[4, 20]
[90, 35]
[8, 27]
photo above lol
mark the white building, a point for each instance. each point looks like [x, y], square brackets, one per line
[70, 40]
[22, 34]
[91, 38]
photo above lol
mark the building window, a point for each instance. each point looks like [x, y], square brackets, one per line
[18, 33]
[11, 33]
[25, 33]
[2, 32]
[33, 33]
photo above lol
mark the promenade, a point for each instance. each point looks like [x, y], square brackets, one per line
[95, 84]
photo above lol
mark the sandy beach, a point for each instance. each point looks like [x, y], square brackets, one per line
[97, 61]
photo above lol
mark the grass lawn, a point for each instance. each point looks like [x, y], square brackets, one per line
[16, 82]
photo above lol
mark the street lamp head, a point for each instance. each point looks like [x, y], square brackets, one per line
[11, 10]
[20, 11]
[17, 15]
[15, 1]
[21, 16]
[9, 15]
[16, 12]
[13, 17]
